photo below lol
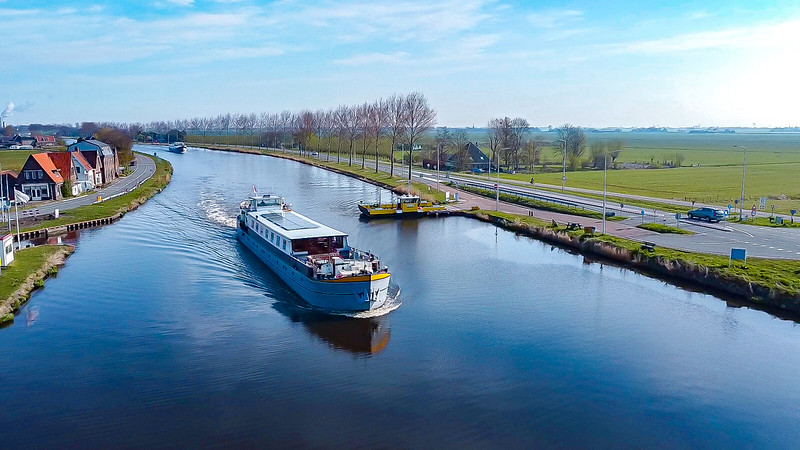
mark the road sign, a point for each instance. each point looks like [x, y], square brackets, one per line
[730, 206]
[738, 254]
[495, 185]
[762, 203]
[753, 211]
[678, 216]
[563, 178]
[736, 202]
[642, 212]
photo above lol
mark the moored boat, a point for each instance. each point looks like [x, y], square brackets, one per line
[405, 206]
[315, 260]
[177, 147]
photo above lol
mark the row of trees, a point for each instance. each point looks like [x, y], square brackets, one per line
[398, 119]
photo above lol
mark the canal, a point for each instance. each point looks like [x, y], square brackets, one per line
[162, 331]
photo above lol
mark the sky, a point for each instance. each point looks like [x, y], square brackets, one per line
[595, 64]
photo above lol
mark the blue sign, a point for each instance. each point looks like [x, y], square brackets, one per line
[730, 206]
[678, 216]
[793, 211]
[642, 212]
[739, 254]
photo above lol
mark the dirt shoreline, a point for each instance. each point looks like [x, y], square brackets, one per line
[22, 294]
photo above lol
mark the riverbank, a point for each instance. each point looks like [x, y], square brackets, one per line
[33, 265]
[396, 184]
[26, 273]
[764, 283]
[104, 212]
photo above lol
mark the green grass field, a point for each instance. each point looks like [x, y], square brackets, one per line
[26, 262]
[711, 172]
[15, 159]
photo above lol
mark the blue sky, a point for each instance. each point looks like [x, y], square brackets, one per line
[709, 63]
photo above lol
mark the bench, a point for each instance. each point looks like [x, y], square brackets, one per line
[573, 226]
[648, 246]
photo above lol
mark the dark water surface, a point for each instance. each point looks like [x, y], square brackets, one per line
[163, 331]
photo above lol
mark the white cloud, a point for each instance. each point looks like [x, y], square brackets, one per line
[553, 18]
[768, 37]
[373, 58]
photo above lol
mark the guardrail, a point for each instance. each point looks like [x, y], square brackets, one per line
[522, 193]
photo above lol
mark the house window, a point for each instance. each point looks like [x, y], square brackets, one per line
[284, 244]
[40, 173]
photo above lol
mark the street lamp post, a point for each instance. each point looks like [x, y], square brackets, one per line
[605, 176]
[497, 186]
[744, 169]
[438, 161]
[564, 177]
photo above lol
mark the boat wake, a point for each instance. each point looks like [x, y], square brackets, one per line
[217, 213]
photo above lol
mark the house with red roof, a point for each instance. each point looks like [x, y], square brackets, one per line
[43, 141]
[66, 168]
[40, 178]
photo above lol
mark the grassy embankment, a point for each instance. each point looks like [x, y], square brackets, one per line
[756, 281]
[114, 206]
[26, 273]
[395, 183]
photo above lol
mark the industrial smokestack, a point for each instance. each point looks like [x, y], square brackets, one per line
[8, 111]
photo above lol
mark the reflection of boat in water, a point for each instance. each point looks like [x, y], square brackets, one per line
[358, 336]
[177, 147]
[315, 260]
[405, 206]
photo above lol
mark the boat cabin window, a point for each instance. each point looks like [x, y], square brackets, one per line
[318, 245]
[266, 202]
[409, 200]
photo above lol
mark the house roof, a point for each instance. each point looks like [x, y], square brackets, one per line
[80, 159]
[101, 147]
[63, 162]
[47, 166]
[44, 138]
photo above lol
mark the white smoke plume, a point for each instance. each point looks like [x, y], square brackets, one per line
[8, 111]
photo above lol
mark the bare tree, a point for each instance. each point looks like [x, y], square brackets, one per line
[376, 125]
[341, 128]
[362, 117]
[519, 127]
[533, 151]
[304, 129]
[395, 123]
[286, 119]
[420, 117]
[575, 144]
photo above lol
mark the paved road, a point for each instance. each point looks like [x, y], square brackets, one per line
[759, 241]
[145, 168]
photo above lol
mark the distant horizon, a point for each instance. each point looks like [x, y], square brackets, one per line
[678, 64]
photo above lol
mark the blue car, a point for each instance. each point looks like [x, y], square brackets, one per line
[710, 214]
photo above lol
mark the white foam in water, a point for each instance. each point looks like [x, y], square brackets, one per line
[392, 302]
[216, 213]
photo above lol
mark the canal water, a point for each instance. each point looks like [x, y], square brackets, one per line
[162, 331]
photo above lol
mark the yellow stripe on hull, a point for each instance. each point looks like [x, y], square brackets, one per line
[373, 277]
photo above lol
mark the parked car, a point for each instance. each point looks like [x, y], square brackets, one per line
[710, 214]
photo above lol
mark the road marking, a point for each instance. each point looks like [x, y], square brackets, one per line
[780, 249]
[772, 248]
